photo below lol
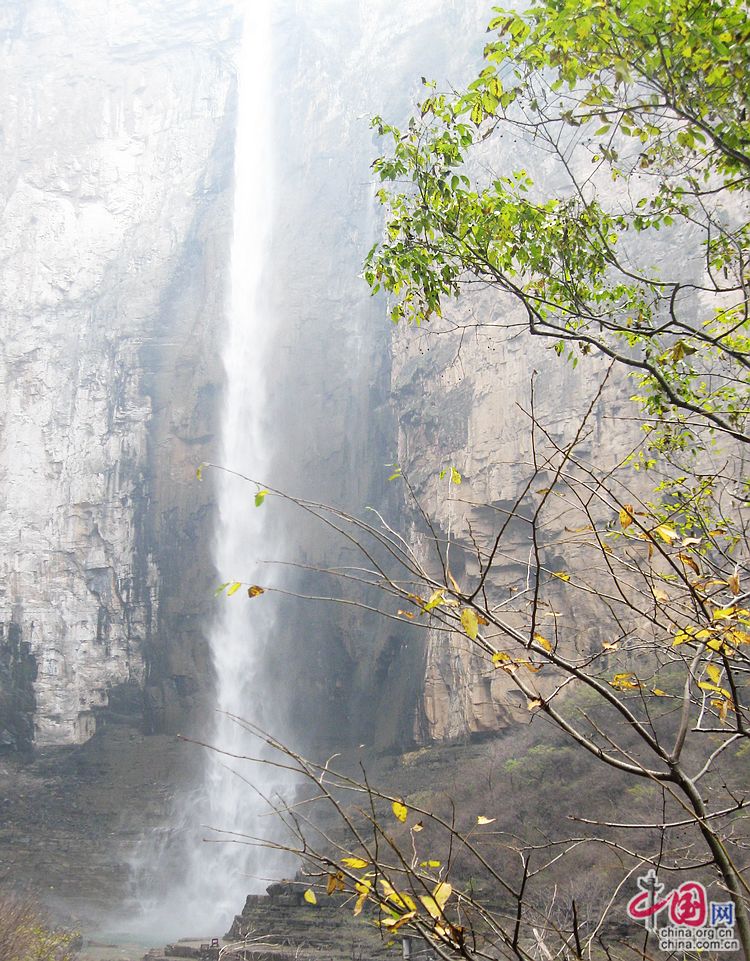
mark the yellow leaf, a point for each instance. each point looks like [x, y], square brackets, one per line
[441, 893]
[233, 588]
[626, 515]
[455, 476]
[409, 614]
[543, 642]
[470, 623]
[431, 906]
[723, 613]
[625, 682]
[705, 686]
[713, 672]
[481, 819]
[354, 863]
[199, 471]
[659, 693]
[429, 864]
[418, 827]
[393, 924]
[399, 898]
[360, 902]
[500, 657]
[255, 591]
[667, 534]
[309, 896]
[610, 645]
[533, 704]
[400, 810]
[563, 575]
[436, 599]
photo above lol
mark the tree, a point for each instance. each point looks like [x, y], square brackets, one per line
[25, 936]
[636, 251]
[650, 97]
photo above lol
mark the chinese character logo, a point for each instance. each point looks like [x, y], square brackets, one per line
[683, 918]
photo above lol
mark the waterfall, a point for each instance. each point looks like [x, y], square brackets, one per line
[223, 870]
[204, 864]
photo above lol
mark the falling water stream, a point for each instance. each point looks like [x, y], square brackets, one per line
[206, 841]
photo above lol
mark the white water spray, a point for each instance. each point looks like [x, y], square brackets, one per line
[215, 874]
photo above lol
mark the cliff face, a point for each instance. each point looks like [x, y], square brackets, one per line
[114, 172]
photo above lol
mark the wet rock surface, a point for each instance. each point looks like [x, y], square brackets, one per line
[70, 818]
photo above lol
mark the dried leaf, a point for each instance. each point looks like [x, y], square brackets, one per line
[335, 883]
[454, 583]
[734, 582]
[400, 810]
[533, 704]
[660, 595]
[626, 515]
[688, 561]
[481, 819]
[470, 623]
[482, 620]
[309, 896]
[722, 706]
[610, 645]
[409, 614]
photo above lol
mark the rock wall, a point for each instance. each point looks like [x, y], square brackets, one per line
[115, 173]
[116, 176]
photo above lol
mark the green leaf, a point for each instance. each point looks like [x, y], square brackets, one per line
[233, 588]
[260, 497]
[455, 476]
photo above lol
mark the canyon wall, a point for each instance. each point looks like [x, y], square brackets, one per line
[115, 173]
